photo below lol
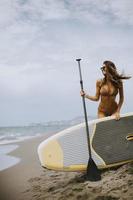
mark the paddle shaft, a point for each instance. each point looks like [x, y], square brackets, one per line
[85, 111]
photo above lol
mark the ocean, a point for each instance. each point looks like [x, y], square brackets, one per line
[10, 135]
[15, 134]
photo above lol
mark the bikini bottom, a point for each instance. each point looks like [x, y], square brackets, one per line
[107, 113]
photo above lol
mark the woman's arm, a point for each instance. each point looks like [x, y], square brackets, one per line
[97, 95]
[121, 99]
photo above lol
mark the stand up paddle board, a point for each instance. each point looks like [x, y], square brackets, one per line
[111, 144]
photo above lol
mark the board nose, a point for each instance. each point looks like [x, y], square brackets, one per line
[51, 155]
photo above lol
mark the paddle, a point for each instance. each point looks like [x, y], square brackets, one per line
[92, 173]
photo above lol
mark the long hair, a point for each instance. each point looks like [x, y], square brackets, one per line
[114, 76]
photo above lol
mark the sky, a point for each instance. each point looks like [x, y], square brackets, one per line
[39, 43]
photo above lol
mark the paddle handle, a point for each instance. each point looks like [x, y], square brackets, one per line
[85, 111]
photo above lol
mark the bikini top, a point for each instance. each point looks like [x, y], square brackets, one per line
[108, 90]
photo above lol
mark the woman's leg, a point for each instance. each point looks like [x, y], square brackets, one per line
[101, 114]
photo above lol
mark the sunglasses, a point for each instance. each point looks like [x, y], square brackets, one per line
[103, 68]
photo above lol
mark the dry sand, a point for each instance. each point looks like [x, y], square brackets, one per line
[29, 181]
[115, 184]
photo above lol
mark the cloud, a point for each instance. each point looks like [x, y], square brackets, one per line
[8, 13]
[122, 11]
[119, 12]
[92, 11]
[39, 42]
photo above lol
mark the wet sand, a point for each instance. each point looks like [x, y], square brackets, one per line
[29, 181]
[14, 180]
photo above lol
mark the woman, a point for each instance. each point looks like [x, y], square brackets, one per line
[107, 89]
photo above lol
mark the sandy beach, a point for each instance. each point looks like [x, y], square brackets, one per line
[28, 180]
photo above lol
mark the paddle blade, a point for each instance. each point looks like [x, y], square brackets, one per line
[93, 173]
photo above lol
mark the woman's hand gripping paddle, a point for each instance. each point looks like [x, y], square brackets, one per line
[93, 173]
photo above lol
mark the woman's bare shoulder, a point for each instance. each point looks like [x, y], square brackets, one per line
[99, 82]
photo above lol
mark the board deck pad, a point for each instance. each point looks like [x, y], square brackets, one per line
[117, 147]
[110, 145]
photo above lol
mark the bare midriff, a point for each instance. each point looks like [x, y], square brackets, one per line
[108, 105]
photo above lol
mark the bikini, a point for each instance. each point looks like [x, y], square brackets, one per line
[105, 90]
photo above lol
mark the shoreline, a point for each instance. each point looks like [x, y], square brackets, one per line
[7, 147]
[14, 180]
[27, 180]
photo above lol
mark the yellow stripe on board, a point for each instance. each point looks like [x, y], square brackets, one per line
[52, 155]
[81, 168]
